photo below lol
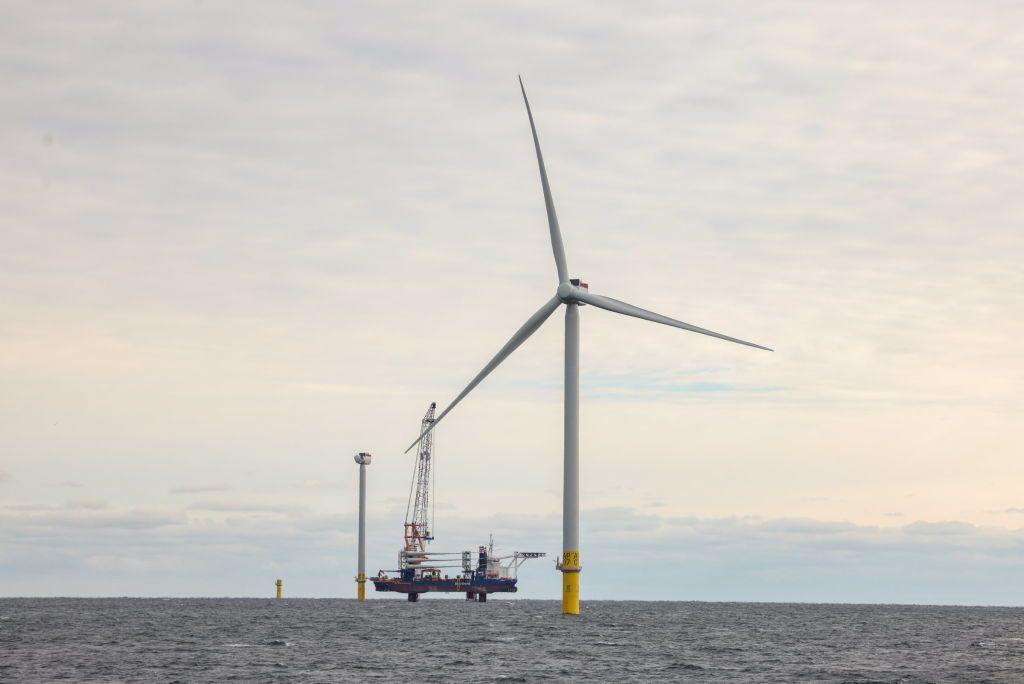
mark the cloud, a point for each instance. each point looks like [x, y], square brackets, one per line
[86, 505]
[946, 528]
[652, 384]
[32, 519]
[318, 484]
[627, 553]
[200, 489]
[807, 526]
[243, 507]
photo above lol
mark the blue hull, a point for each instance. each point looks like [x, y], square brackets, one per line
[476, 585]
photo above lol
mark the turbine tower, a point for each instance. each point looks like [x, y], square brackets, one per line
[572, 293]
[363, 459]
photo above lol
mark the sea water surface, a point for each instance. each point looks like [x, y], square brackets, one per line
[335, 640]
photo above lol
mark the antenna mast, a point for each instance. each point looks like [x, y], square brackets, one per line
[417, 513]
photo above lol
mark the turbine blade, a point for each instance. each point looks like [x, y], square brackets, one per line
[615, 305]
[530, 327]
[556, 235]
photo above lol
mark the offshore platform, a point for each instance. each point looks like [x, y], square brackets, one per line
[419, 570]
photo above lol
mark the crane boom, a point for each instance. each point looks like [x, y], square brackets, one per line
[418, 521]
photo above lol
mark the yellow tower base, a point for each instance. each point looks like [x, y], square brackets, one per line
[280, 588]
[360, 587]
[570, 568]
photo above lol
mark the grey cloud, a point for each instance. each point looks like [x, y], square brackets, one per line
[243, 507]
[946, 528]
[646, 532]
[28, 507]
[808, 526]
[65, 519]
[610, 520]
[317, 484]
[711, 558]
[200, 489]
[86, 504]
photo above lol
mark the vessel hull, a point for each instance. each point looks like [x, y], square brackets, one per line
[485, 585]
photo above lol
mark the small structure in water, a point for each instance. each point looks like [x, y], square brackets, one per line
[280, 588]
[421, 571]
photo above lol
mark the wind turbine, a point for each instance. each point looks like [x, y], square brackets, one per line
[572, 293]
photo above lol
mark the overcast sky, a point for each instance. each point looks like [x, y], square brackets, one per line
[241, 244]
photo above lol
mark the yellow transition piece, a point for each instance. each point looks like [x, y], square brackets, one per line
[570, 582]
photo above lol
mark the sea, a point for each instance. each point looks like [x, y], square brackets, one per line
[336, 640]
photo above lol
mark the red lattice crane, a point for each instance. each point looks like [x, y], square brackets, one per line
[418, 513]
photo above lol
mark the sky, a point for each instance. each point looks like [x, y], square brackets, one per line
[241, 245]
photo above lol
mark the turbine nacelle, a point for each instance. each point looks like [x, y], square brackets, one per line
[568, 293]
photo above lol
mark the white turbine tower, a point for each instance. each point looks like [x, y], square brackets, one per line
[571, 293]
